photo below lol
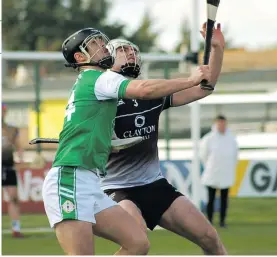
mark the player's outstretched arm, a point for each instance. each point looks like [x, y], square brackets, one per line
[156, 88]
[217, 51]
[216, 59]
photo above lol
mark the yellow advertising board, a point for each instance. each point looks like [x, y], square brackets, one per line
[51, 119]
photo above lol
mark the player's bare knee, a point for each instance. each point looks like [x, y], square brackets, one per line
[75, 237]
[211, 242]
[211, 236]
[140, 245]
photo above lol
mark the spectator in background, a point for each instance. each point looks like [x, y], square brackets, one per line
[218, 152]
[10, 142]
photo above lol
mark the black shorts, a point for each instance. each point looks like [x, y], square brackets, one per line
[152, 199]
[9, 176]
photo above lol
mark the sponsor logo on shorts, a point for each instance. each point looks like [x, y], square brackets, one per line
[68, 206]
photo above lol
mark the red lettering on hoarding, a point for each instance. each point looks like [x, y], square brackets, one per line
[30, 183]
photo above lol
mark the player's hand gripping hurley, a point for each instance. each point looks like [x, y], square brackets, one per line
[212, 6]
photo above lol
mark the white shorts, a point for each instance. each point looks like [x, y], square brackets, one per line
[72, 193]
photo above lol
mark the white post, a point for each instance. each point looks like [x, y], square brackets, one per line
[183, 64]
[195, 112]
[195, 28]
[195, 167]
[145, 70]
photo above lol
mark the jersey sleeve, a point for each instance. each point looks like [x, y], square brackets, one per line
[167, 102]
[110, 85]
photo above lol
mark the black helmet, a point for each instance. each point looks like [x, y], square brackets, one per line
[78, 41]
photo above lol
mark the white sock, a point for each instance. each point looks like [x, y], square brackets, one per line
[16, 225]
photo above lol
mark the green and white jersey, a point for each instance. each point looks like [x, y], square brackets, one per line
[85, 140]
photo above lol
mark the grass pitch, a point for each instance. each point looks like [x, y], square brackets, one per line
[252, 230]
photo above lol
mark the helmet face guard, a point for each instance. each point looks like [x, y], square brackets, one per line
[92, 43]
[130, 68]
[103, 62]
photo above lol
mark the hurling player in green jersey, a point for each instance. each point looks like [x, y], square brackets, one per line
[75, 204]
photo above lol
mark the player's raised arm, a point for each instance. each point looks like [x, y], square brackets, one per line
[215, 64]
[155, 88]
[122, 87]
